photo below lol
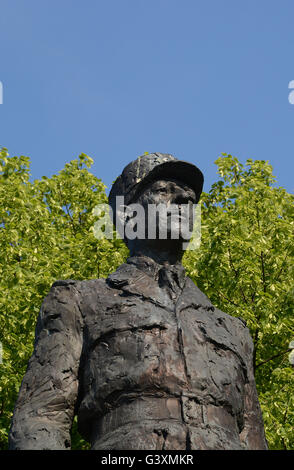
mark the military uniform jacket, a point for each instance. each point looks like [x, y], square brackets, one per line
[145, 361]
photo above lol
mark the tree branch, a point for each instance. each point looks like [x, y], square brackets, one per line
[282, 265]
[263, 271]
[228, 300]
[274, 357]
[236, 274]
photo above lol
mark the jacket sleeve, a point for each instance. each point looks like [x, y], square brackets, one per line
[45, 406]
[252, 435]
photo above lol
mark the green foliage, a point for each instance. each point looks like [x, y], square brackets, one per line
[45, 234]
[245, 266]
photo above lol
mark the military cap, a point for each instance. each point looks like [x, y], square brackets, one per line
[150, 167]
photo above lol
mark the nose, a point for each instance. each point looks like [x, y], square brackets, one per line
[181, 197]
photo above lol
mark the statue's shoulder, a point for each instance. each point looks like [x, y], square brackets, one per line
[81, 285]
[93, 289]
[234, 326]
[61, 291]
[77, 291]
[59, 310]
[192, 295]
[63, 282]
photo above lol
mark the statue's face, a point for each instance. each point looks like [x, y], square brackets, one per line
[178, 199]
[168, 191]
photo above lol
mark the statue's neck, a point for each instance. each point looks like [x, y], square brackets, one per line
[165, 252]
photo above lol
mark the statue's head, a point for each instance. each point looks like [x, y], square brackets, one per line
[161, 191]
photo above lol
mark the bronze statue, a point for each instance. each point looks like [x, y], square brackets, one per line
[143, 357]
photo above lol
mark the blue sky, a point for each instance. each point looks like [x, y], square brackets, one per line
[116, 78]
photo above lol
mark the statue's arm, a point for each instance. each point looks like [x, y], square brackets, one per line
[252, 435]
[45, 406]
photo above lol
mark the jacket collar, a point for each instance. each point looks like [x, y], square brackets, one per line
[135, 272]
[151, 268]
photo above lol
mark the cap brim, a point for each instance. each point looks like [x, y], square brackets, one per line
[177, 169]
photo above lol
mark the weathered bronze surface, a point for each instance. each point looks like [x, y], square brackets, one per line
[143, 357]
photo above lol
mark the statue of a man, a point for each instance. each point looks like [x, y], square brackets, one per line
[143, 357]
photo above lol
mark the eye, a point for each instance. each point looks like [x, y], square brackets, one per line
[160, 190]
